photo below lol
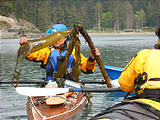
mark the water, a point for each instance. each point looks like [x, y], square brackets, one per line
[116, 50]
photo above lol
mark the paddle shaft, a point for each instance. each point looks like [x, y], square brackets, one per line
[43, 82]
[95, 90]
[98, 59]
[23, 82]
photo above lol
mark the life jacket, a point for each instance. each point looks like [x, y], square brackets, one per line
[55, 60]
[148, 84]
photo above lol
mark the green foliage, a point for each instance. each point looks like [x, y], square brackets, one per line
[139, 18]
[106, 18]
[113, 14]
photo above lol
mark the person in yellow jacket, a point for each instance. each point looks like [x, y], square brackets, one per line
[142, 76]
[52, 58]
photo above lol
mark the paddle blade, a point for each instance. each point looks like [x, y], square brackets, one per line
[31, 91]
[56, 100]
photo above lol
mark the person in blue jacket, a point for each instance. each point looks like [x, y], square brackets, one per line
[52, 57]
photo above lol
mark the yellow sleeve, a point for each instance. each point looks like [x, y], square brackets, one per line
[40, 55]
[133, 69]
[87, 64]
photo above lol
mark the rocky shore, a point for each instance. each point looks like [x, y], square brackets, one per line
[10, 27]
[15, 35]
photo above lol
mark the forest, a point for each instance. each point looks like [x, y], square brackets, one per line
[97, 15]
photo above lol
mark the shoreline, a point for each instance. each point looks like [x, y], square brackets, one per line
[122, 33]
[10, 35]
[16, 35]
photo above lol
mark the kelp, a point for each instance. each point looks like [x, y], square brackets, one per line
[16, 76]
[37, 44]
[73, 43]
[77, 67]
[34, 45]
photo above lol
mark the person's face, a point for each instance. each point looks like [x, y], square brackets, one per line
[60, 42]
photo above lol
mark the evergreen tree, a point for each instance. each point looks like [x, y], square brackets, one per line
[110, 14]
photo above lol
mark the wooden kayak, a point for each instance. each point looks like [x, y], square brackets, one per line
[37, 108]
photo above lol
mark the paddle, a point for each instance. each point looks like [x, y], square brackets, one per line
[23, 82]
[31, 91]
[98, 59]
[56, 100]
[44, 82]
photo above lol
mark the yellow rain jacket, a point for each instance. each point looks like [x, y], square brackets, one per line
[147, 60]
[42, 55]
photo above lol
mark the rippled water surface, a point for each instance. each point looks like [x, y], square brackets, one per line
[116, 50]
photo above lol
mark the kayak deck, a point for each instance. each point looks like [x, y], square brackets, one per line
[37, 109]
[128, 111]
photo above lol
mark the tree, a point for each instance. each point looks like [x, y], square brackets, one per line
[140, 18]
[106, 18]
[128, 15]
[112, 14]
[136, 21]
[44, 19]
[98, 15]
[115, 9]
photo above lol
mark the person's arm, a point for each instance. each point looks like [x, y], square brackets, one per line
[88, 64]
[38, 56]
[133, 69]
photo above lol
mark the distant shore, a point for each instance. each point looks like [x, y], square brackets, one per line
[15, 35]
[122, 33]
[10, 35]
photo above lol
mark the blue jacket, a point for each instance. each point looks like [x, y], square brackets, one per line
[54, 62]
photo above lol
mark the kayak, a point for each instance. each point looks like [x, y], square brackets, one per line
[46, 108]
[70, 108]
[114, 73]
[129, 111]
